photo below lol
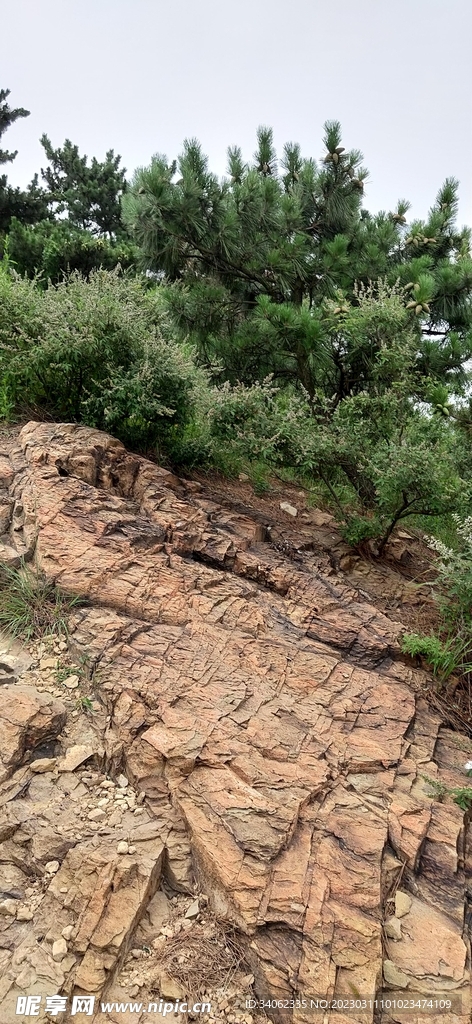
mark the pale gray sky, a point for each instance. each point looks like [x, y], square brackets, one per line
[139, 76]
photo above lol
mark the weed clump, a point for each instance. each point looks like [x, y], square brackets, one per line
[31, 607]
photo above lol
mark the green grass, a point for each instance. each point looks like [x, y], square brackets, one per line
[444, 656]
[30, 606]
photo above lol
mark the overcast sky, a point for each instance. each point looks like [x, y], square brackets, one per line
[139, 76]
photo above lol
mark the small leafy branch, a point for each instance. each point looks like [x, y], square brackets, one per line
[461, 795]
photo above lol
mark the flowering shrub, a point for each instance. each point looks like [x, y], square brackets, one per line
[455, 572]
[454, 653]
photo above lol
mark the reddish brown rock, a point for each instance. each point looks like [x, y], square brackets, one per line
[27, 719]
[261, 705]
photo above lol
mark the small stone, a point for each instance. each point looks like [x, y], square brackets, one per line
[67, 932]
[43, 764]
[8, 908]
[122, 847]
[122, 781]
[75, 756]
[159, 942]
[402, 903]
[141, 797]
[131, 849]
[115, 817]
[247, 981]
[134, 991]
[393, 928]
[108, 784]
[287, 507]
[26, 979]
[71, 682]
[52, 866]
[137, 953]
[243, 477]
[193, 910]
[59, 949]
[96, 814]
[24, 914]
[394, 976]
[169, 988]
[48, 663]
[103, 802]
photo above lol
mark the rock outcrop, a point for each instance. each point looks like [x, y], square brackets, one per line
[263, 708]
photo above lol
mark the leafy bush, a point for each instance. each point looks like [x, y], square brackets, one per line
[31, 607]
[58, 346]
[398, 460]
[246, 418]
[150, 404]
[101, 351]
[98, 351]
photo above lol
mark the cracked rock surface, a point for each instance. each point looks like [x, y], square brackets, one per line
[270, 741]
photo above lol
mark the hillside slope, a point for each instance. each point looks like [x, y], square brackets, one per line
[260, 702]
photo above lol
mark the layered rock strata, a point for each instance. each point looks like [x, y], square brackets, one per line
[263, 708]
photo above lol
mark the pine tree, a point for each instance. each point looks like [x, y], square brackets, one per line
[251, 261]
[28, 206]
[7, 118]
[89, 193]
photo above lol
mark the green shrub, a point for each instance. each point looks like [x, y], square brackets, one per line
[99, 351]
[150, 404]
